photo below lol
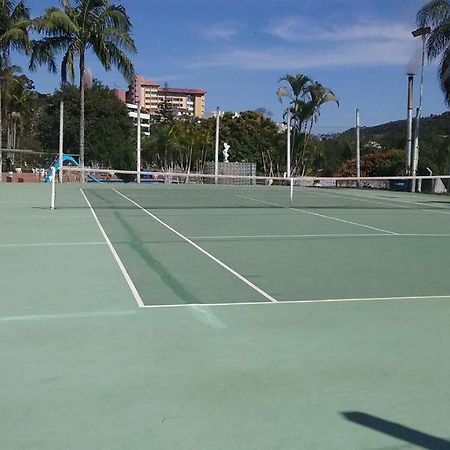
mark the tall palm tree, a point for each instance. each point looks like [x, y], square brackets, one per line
[14, 23]
[305, 101]
[96, 25]
[436, 14]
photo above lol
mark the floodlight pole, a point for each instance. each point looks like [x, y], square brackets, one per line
[61, 137]
[358, 148]
[409, 122]
[288, 145]
[138, 139]
[1, 129]
[216, 150]
[423, 32]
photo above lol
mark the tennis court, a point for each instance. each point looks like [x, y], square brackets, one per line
[172, 317]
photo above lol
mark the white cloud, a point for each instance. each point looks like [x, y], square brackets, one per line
[221, 30]
[295, 29]
[355, 54]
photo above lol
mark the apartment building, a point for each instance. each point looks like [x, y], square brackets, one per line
[150, 95]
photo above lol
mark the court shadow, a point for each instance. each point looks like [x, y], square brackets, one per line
[398, 431]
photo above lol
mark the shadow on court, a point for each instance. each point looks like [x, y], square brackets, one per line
[398, 431]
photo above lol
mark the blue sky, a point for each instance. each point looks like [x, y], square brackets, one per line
[238, 49]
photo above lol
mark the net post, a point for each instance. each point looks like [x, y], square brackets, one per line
[291, 191]
[53, 185]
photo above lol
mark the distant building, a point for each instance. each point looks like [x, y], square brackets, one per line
[150, 95]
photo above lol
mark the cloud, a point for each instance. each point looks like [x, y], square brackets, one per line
[295, 29]
[221, 30]
[358, 54]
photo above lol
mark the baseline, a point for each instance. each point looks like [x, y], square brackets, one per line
[50, 244]
[295, 302]
[325, 235]
[201, 249]
[125, 274]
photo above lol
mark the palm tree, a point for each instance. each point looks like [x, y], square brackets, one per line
[96, 25]
[436, 14]
[305, 101]
[14, 23]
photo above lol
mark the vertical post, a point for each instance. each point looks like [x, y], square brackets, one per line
[216, 150]
[358, 148]
[53, 187]
[288, 145]
[415, 157]
[1, 137]
[291, 191]
[61, 139]
[138, 156]
[409, 122]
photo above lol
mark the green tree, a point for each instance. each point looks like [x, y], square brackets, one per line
[14, 23]
[436, 14]
[306, 99]
[96, 25]
[109, 133]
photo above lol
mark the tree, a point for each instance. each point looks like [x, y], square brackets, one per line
[306, 99]
[96, 25]
[436, 14]
[14, 23]
[109, 134]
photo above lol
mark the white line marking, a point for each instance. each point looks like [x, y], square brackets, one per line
[399, 202]
[127, 277]
[320, 215]
[87, 315]
[294, 302]
[306, 236]
[51, 244]
[202, 250]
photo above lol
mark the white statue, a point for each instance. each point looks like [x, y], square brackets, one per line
[226, 147]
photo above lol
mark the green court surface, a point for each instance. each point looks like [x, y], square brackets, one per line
[172, 318]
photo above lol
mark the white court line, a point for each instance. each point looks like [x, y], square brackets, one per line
[306, 236]
[125, 274]
[397, 202]
[51, 244]
[295, 302]
[320, 215]
[202, 250]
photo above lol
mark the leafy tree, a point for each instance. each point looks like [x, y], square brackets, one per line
[306, 99]
[14, 23]
[109, 130]
[436, 14]
[96, 25]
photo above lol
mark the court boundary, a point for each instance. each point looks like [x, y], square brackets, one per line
[307, 301]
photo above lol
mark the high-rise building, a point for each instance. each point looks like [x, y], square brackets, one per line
[150, 95]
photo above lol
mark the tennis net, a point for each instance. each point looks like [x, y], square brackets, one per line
[166, 190]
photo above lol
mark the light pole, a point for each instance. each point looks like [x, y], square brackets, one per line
[423, 32]
[283, 92]
[138, 142]
[216, 149]
[358, 148]
[1, 129]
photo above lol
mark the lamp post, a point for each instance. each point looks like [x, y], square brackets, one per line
[358, 148]
[422, 32]
[216, 148]
[283, 92]
[1, 129]
[138, 143]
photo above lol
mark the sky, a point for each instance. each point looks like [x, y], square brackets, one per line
[237, 50]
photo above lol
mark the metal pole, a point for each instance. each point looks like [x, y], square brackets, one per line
[216, 151]
[358, 147]
[415, 159]
[1, 130]
[53, 187]
[138, 157]
[409, 121]
[61, 139]
[288, 146]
